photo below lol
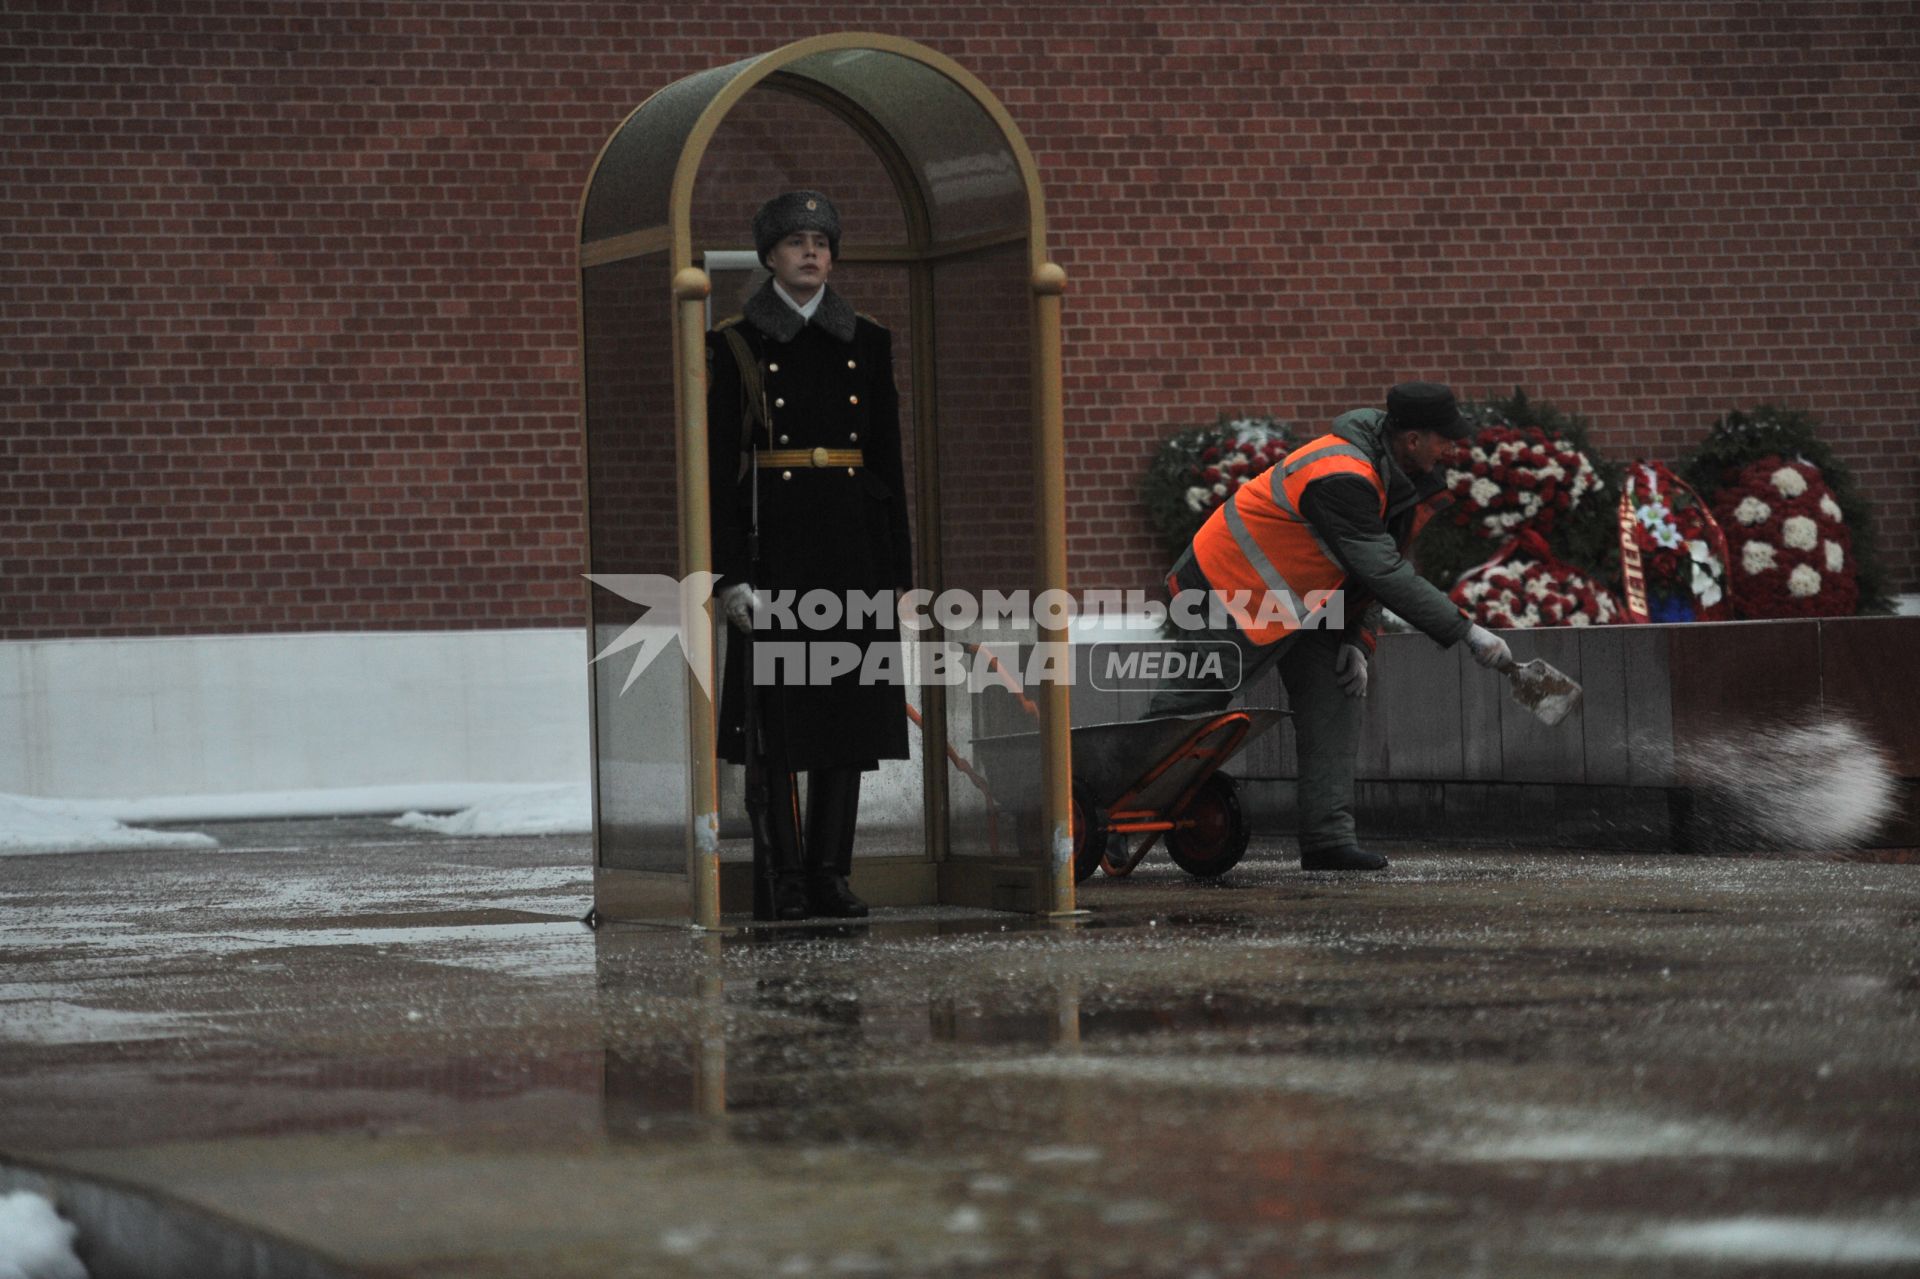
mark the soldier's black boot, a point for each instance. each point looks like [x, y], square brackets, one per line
[833, 803]
[779, 863]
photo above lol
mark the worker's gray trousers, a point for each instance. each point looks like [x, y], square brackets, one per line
[1326, 724]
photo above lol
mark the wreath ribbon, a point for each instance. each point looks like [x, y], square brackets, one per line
[1632, 566]
[1632, 571]
[1526, 541]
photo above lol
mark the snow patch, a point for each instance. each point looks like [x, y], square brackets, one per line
[1063, 1155]
[29, 825]
[1540, 1134]
[57, 1022]
[1788, 1240]
[35, 1241]
[326, 801]
[32, 824]
[545, 810]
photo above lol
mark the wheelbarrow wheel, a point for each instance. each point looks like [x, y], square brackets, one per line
[1217, 840]
[1089, 841]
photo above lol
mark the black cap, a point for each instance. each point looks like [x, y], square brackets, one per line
[1427, 406]
[795, 211]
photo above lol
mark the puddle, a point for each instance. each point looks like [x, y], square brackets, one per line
[394, 938]
[1182, 1082]
[894, 924]
[392, 920]
[1210, 1011]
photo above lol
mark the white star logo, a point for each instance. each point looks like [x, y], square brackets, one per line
[676, 612]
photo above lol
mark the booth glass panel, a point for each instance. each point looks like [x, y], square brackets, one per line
[982, 322]
[640, 729]
[776, 140]
[967, 172]
[634, 180]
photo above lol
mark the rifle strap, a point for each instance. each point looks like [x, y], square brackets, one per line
[753, 395]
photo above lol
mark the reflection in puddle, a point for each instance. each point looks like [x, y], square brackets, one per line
[817, 1049]
[897, 924]
[1068, 1021]
[1237, 1099]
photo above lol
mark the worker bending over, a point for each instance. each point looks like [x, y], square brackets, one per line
[1334, 516]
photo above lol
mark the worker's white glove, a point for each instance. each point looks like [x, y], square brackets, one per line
[740, 603]
[1350, 670]
[1488, 649]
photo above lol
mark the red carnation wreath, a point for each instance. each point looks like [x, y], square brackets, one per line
[1509, 477]
[1790, 550]
[1524, 586]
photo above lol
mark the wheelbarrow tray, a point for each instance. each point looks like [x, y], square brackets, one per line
[1109, 760]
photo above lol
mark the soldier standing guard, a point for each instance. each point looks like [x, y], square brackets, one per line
[807, 494]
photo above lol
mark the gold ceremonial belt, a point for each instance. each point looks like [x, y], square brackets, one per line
[777, 458]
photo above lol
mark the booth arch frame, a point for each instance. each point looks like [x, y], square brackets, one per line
[607, 236]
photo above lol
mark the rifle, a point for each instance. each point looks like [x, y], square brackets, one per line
[759, 795]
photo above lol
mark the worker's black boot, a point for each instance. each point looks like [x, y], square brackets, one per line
[833, 802]
[1346, 857]
[779, 863]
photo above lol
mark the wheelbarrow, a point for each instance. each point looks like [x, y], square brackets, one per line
[1152, 777]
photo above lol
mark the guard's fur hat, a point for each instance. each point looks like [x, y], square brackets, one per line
[795, 211]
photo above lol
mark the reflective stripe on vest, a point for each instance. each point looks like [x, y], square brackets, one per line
[1258, 542]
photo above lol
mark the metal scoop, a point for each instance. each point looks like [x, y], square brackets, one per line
[1547, 692]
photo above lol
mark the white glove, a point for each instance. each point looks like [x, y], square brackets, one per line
[740, 602]
[1489, 649]
[1350, 670]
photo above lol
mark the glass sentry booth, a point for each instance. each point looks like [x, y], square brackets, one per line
[943, 241]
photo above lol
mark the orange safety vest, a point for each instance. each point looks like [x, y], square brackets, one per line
[1258, 542]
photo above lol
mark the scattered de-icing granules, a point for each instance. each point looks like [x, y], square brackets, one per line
[1822, 785]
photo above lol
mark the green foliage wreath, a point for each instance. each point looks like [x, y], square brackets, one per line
[1740, 439]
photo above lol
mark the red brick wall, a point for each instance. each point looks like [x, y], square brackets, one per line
[288, 302]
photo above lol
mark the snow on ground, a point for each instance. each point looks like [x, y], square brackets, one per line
[548, 810]
[31, 1020]
[35, 1241]
[30, 825]
[1790, 1241]
[332, 801]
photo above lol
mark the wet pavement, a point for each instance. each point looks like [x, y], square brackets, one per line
[405, 1054]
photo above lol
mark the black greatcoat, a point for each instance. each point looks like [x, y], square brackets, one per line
[829, 384]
